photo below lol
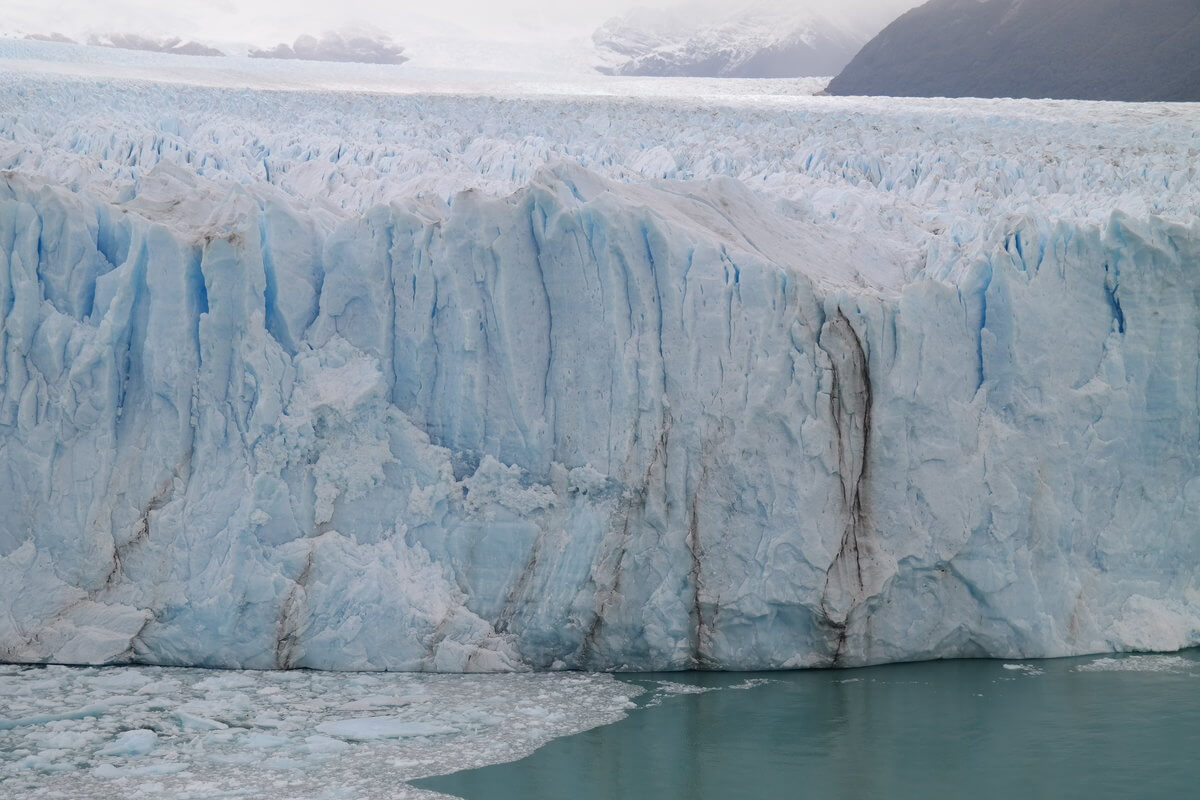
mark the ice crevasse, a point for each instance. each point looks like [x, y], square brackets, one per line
[594, 423]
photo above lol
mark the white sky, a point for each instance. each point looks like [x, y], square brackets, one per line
[270, 21]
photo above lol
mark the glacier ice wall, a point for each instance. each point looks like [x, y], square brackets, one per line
[607, 420]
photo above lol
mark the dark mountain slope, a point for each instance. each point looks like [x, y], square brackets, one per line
[1068, 49]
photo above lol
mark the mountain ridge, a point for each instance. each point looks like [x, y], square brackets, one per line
[753, 40]
[1053, 49]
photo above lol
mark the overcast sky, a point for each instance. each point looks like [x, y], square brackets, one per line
[266, 21]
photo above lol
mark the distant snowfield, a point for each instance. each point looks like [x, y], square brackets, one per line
[418, 368]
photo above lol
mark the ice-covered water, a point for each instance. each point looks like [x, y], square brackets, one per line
[68, 732]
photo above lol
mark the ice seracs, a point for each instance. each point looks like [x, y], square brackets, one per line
[444, 383]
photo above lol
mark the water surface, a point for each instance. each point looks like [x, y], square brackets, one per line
[1119, 727]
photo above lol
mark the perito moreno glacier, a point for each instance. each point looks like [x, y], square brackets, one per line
[439, 382]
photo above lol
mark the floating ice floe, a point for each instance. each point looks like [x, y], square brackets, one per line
[1142, 663]
[1027, 669]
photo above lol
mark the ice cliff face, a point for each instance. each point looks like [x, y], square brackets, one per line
[777, 386]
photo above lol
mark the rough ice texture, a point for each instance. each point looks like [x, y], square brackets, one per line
[449, 383]
[188, 733]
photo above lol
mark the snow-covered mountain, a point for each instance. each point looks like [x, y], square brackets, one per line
[757, 39]
[171, 44]
[129, 41]
[361, 48]
[366, 380]
[1066, 49]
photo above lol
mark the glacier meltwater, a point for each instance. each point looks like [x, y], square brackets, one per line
[454, 382]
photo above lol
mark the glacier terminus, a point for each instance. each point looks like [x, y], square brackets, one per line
[449, 381]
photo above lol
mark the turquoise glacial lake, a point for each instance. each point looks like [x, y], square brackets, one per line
[1098, 727]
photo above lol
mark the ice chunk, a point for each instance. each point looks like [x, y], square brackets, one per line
[363, 729]
[113, 771]
[325, 744]
[130, 743]
[381, 701]
[193, 722]
[41, 719]
[1148, 663]
[1027, 669]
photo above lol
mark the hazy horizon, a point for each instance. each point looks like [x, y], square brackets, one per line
[268, 21]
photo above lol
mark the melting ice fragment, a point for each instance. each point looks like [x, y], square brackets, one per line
[363, 729]
[130, 743]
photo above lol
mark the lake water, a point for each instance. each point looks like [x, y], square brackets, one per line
[1119, 727]
[1100, 727]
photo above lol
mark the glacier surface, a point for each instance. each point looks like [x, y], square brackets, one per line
[437, 380]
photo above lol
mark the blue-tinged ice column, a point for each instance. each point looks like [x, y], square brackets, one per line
[592, 424]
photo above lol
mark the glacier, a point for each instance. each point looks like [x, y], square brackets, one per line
[442, 381]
